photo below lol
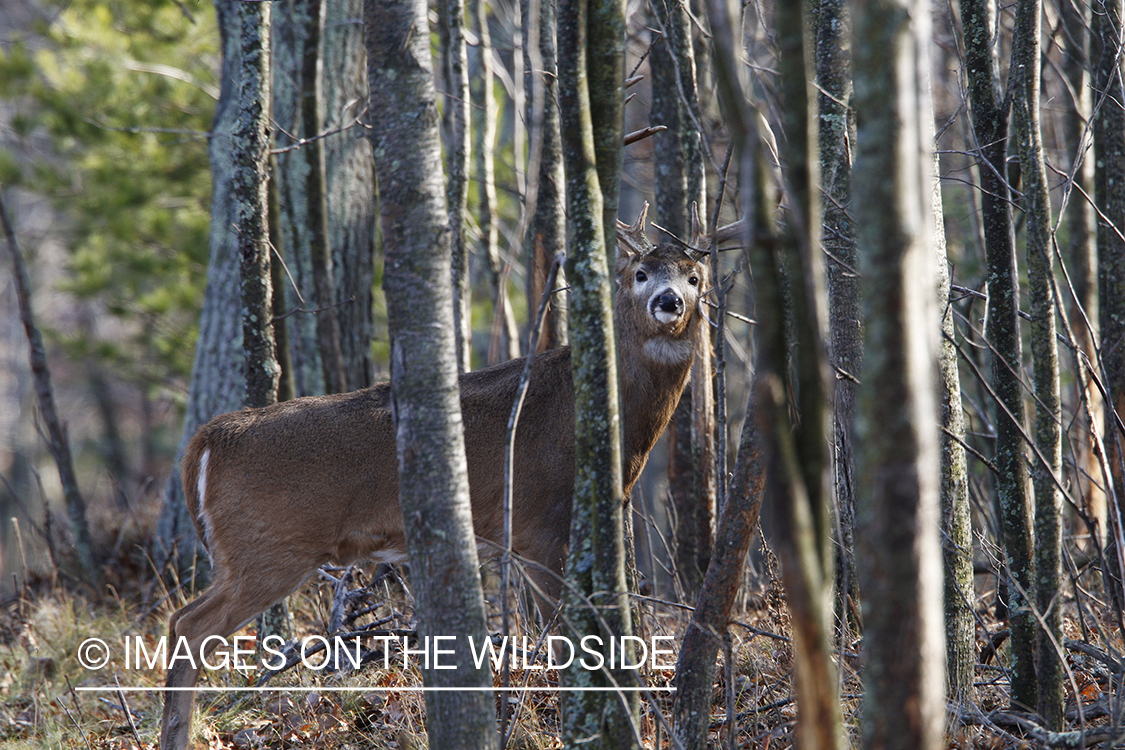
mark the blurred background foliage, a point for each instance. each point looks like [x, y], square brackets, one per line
[109, 105]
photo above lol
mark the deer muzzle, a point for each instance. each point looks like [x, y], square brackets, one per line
[667, 307]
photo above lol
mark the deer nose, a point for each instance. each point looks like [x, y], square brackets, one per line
[667, 306]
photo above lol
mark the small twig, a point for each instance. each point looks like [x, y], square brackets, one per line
[85, 740]
[74, 697]
[509, 460]
[640, 135]
[128, 713]
[305, 141]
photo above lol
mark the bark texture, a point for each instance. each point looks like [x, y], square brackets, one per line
[1109, 196]
[314, 334]
[217, 372]
[1024, 83]
[677, 182]
[989, 113]
[898, 502]
[956, 521]
[351, 185]
[433, 479]
[546, 202]
[845, 324]
[596, 601]
[454, 55]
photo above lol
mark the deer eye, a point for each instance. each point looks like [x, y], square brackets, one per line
[693, 280]
[641, 277]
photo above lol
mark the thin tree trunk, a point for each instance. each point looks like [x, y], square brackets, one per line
[303, 200]
[836, 133]
[1024, 84]
[504, 339]
[250, 191]
[454, 57]
[990, 129]
[801, 481]
[696, 666]
[1081, 256]
[57, 441]
[691, 467]
[217, 382]
[596, 601]
[433, 478]
[1109, 197]
[956, 521]
[351, 185]
[251, 156]
[546, 236]
[898, 502]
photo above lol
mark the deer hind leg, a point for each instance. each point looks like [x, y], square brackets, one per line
[221, 610]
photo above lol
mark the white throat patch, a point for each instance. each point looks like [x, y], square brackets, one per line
[669, 351]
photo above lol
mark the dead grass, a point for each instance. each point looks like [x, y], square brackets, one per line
[41, 634]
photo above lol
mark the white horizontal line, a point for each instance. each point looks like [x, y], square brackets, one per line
[407, 689]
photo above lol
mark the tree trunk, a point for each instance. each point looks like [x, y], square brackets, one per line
[677, 183]
[836, 133]
[433, 479]
[503, 341]
[546, 236]
[454, 57]
[898, 502]
[1081, 258]
[57, 441]
[351, 185]
[990, 128]
[596, 601]
[1024, 83]
[314, 333]
[250, 191]
[217, 383]
[695, 668]
[956, 521]
[1109, 197]
[799, 451]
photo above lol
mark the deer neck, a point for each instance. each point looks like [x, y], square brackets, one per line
[653, 374]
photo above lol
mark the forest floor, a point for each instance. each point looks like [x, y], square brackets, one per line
[46, 632]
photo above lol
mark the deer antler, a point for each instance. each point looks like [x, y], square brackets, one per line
[699, 244]
[634, 236]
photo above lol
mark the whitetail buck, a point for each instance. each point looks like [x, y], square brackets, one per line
[277, 492]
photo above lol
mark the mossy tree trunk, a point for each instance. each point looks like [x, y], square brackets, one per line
[989, 111]
[956, 521]
[458, 159]
[596, 601]
[217, 383]
[845, 325]
[250, 155]
[898, 499]
[433, 478]
[1024, 83]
